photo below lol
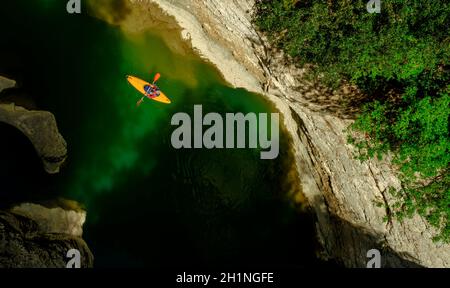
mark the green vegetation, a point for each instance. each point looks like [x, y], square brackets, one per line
[400, 59]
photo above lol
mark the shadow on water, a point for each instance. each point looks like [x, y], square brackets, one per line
[179, 231]
[195, 215]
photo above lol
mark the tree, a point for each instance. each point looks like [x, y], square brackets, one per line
[403, 51]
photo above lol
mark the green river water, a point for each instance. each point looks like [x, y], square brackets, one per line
[148, 204]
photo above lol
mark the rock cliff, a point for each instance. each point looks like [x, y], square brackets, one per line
[342, 191]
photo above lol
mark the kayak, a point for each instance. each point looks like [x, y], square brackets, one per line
[141, 86]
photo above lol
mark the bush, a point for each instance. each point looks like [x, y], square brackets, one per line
[403, 51]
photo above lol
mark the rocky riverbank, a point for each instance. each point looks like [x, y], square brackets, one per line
[342, 191]
[33, 235]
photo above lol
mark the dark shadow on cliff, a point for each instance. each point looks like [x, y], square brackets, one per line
[22, 176]
[348, 244]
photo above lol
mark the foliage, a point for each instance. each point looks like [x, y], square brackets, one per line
[402, 52]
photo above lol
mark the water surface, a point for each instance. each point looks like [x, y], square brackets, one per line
[148, 204]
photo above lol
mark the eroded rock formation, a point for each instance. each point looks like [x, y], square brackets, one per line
[32, 235]
[40, 127]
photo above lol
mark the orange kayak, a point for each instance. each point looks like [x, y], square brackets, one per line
[141, 85]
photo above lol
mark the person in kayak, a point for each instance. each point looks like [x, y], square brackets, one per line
[152, 91]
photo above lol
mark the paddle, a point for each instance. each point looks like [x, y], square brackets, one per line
[140, 102]
[157, 76]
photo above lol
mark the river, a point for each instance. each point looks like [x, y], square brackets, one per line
[148, 204]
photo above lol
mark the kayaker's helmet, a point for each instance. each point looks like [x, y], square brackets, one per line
[149, 89]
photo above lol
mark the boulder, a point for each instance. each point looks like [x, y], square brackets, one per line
[41, 238]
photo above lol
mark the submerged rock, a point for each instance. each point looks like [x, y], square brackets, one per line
[41, 239]
[41, 128]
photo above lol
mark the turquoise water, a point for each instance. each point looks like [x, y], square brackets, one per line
[148, 204]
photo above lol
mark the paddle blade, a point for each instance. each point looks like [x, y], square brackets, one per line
[157, 75]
